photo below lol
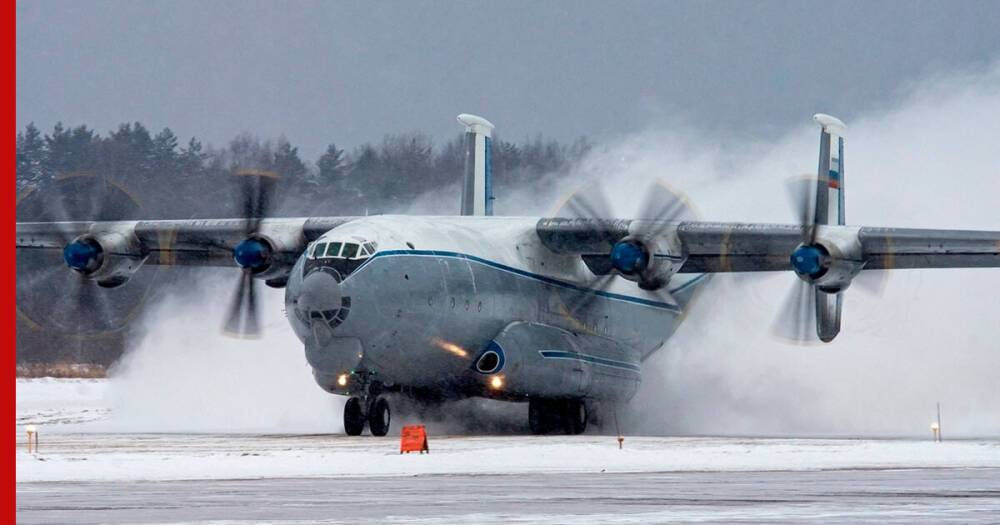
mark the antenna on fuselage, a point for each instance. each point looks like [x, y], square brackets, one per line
[477, 187]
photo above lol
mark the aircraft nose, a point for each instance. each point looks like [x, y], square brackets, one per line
[321, 298]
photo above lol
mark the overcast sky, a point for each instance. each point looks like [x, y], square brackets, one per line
[350, 72]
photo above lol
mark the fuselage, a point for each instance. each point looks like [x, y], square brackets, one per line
[417, 300]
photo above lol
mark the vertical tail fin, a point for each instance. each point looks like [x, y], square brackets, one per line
[829, 210]
[477, 188]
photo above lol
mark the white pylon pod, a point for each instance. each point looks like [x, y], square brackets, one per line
[477, 187]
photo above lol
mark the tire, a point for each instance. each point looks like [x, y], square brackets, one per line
[539, 416]
[354, 419]
[576, 416]
[379, 417]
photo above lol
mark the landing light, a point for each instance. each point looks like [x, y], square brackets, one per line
[342, 380]
[496, 382]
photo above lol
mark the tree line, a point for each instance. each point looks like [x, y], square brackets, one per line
[187, 179]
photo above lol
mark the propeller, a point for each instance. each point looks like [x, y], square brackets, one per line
[806, 307]
[49, 297]
[253, 254]
[629, 256]
[796, 320]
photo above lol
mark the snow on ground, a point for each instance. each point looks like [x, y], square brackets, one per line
[65, 411]
[78, 457]
[50, 401]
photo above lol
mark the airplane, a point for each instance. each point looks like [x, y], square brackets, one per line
[560, 312]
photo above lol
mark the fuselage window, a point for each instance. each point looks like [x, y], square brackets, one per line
[333, 249]
[318, 250]
[350, 250]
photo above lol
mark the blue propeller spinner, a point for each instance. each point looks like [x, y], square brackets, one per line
[82, 255]
[252, 254]
[629, 257]
[808, 260]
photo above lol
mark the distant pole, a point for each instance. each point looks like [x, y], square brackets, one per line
[618, 428]
[940, 437]
[32, 436]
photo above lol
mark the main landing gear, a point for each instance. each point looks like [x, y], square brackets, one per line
[370, 408]
[546, 416]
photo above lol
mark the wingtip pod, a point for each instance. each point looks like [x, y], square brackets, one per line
[831, 124]
[476, 124]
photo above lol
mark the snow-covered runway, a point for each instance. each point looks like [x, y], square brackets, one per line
[84, 475]
[851, 496]
[140, 457]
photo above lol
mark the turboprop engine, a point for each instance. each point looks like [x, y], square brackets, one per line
[110, 258]
[647, 258]
[830, 261]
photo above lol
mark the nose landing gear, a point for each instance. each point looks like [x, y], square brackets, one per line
[354, 417]
[370, 408]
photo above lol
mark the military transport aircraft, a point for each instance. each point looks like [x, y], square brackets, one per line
[560, 312]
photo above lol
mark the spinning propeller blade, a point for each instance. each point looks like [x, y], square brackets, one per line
[252, 254]
[51, 297]
[660, 206]
[797, 317]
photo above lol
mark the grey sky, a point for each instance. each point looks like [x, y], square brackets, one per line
[350, 72]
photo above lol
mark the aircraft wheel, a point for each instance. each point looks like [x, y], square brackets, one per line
[544, 415]
[576, 416]
[354, 418]
[538, 417]
[378, 418]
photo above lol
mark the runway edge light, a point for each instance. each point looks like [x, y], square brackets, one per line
[32, 437]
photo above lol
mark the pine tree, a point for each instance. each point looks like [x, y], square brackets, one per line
[332, 165]
[72, 150]
[31, 158]
[164, 153]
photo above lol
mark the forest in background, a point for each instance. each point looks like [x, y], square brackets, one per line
[167, 177]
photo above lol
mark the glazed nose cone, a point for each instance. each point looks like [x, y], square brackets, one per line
[320, 297]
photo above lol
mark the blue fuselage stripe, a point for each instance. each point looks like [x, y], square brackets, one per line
[593, 359]
[523, 273]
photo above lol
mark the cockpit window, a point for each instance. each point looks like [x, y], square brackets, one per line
[333, 249]
[350, 250]
[318, 249]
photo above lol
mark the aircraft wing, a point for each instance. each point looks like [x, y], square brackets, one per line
[194, 242]
[711, 247]
[825, 258]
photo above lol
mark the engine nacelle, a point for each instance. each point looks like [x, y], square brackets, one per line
[831, 262]
[648, 258]
[270, 254]
[110, 258]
